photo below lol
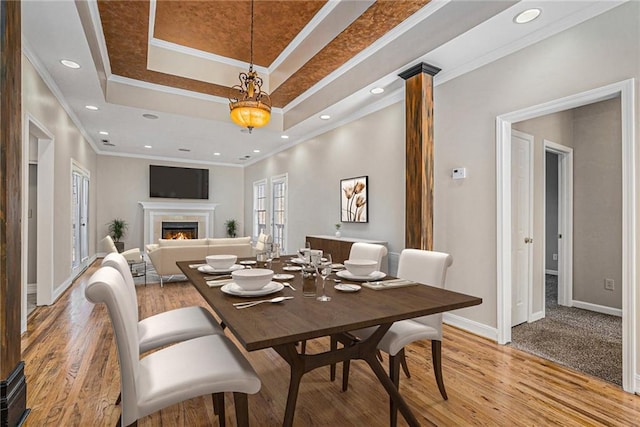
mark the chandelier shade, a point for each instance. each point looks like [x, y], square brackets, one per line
[249, 106]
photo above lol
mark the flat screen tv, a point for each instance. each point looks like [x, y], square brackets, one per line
[178, 183]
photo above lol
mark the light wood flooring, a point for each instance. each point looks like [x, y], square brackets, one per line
[73, 379]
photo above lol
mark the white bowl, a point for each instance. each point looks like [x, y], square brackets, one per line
[252, 279]
[360, 267]
[221, 261]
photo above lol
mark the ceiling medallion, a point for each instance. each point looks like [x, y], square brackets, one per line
[250, 106]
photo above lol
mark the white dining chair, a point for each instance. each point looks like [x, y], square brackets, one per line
[209, 364]
[370, 251]
[428, 267]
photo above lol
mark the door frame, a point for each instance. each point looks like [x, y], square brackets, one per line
[625, 90]
[529, 288]
[565, 222]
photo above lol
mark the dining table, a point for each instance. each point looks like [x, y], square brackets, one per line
[283, 325]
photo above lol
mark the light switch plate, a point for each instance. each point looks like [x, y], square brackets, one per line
[459, 173]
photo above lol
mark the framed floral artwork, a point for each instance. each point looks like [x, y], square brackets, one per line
[354, 200]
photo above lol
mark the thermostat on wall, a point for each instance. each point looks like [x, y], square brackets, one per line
[459, 173]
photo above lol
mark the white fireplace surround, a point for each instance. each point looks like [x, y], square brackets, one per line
[157, 212]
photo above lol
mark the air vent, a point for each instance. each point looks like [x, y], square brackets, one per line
[109, 144]
[186, 150]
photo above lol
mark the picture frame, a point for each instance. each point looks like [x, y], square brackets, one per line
[354, 199]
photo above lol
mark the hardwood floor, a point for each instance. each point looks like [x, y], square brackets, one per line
[73, 379]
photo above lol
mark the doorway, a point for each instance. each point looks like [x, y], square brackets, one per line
[80, 217]
[624, 90]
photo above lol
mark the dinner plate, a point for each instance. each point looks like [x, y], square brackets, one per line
[283, 276]
[298, 260]
[292, 268]
[233, 289]
[337, 266]
[248, 262]
[345, 274]
[347, 288]
[210, 270]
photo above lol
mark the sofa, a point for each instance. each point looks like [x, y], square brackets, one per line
[164, 254]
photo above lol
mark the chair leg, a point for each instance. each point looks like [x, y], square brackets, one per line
[379, 355]
[242, 409]
[161, 282]
[405, 367]
[436, 357]
[334, 347]
[303, 347]
[394, 375]
[218, 407]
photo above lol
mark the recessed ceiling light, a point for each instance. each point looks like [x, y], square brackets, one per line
[104, 132]
[216, 154]
[150, 116]
[91, 107]
[377, 90]
[527, 16]
[147, 146]
[325, 117]
[256, 151]
[70, 64]
[284, 136]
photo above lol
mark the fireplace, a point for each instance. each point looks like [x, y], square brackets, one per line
[179, 230]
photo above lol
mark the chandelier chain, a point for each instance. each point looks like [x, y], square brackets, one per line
[251, 43]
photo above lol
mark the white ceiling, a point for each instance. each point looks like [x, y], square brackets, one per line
[456, 36]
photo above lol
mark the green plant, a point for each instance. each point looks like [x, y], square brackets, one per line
[338, 225]
[232, 227]
[117, 228]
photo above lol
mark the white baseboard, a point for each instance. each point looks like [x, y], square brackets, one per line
[637, 384]
[32, 288]
[536, 316]
[470, 326]
[597, 308]
[552, 272]
[63, 287]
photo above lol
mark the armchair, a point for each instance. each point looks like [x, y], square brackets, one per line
[131, 255]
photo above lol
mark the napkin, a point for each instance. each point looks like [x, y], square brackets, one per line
[215, 283]
[388, 284]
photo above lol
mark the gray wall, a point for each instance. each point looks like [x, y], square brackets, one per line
[123, 182]
[597, 210]
[551, 212]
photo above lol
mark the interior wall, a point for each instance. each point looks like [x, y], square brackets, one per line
[551, 212]
[597, 210]
[556, 128]
[372, 146]
[123, 182]
[40, 103]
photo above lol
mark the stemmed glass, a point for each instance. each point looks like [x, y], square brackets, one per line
[325, 271]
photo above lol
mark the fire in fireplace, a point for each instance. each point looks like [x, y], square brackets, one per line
[179, 230]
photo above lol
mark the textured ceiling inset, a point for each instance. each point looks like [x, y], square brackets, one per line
[222, 27]
[197, 24]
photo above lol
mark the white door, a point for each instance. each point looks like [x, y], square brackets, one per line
[522, 225]
[80, 215]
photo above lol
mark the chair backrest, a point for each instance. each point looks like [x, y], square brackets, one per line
[108, 286]
[428, 267]
[119, 262]
[107, 245]
[263, 239]
[370, 251]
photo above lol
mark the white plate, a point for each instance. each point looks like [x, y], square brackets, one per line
[210, 270]
[282, 276]
[233, 289]
[292, 268]
[345, 274]
[248, 262]
[347, 288]
[337, 266]
[298, 260]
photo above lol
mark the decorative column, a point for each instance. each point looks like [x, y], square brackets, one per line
[13, 386]
[419, 155]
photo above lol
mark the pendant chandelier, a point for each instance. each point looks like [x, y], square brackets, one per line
[250, 106]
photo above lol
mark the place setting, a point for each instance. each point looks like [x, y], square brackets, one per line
[253, 282]
[360, 270]
[220, 264]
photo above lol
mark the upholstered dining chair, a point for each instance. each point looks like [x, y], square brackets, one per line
[422, 266]
[164, 328]
[206, 365]
[370, 251]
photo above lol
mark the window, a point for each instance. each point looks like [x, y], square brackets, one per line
[279, 211]
[259, 208]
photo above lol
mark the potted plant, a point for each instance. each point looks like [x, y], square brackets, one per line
[117, 229]
[232, 226]
[338, 225]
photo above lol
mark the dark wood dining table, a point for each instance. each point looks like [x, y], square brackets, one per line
[281, 326]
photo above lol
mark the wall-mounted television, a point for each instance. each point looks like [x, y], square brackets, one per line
[178, 183]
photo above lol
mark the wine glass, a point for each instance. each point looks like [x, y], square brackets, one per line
[325, 271]
[305, 252]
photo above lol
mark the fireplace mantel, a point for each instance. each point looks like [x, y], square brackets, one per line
[156, 212]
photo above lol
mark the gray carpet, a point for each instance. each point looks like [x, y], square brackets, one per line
[580, 339]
